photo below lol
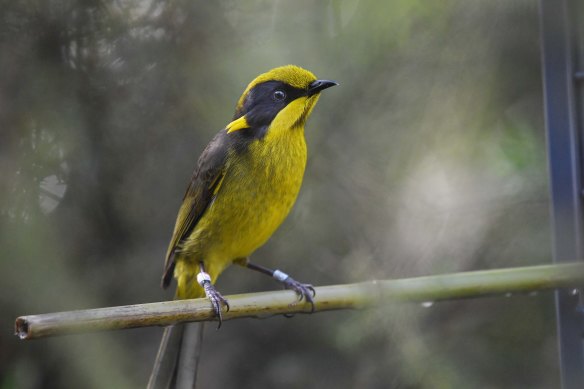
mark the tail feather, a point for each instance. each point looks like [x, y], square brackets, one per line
[176, 363]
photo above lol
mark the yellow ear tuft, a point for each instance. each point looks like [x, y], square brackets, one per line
[237, 124]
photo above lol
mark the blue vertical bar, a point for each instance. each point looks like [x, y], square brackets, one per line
[563, 112]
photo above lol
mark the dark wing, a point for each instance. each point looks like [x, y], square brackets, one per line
[205, 182]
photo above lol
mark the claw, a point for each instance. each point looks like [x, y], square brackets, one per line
[304, 291]
[311, 288]
[216, 300]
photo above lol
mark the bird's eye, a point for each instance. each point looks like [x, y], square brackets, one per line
[279, 95]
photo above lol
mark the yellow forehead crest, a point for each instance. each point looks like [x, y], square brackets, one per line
[292, 75]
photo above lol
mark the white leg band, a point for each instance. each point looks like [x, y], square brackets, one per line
[203, 277]
[280, 275]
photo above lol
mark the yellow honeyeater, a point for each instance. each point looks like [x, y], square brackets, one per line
[245, 183]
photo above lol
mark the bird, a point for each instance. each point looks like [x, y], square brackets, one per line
[244, 185]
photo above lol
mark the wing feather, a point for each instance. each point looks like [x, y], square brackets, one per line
[205, 181]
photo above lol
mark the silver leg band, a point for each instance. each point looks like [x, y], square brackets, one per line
[280, 275]
[203, 278]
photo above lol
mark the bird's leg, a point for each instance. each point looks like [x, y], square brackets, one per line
[304, 291]
[204, 279]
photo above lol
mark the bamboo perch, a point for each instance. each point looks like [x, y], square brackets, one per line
[349, 296]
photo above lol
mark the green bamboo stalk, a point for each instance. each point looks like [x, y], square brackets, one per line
[349, 296]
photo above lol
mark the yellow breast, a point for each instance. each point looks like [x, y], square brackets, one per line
[259, 189]
[257, 194]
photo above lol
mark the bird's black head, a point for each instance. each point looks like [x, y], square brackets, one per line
[265, 100]
[283, 97]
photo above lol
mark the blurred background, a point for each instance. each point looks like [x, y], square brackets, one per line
[429, 158]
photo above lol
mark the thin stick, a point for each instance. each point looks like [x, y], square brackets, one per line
[349, 296]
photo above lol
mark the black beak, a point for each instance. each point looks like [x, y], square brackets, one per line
[320, 85]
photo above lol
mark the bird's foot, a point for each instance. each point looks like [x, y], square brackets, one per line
[304, 291]
[217, 300]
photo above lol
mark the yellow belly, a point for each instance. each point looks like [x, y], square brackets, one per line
[257, 193]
